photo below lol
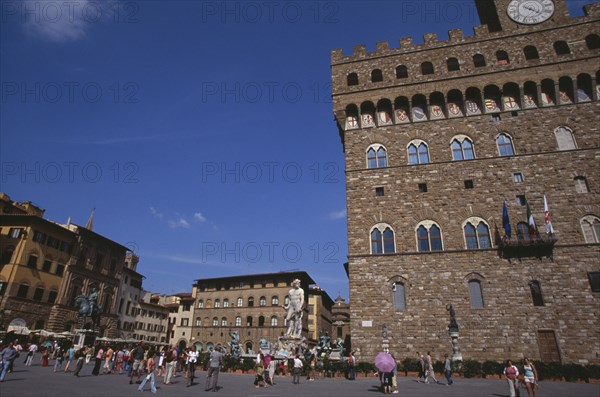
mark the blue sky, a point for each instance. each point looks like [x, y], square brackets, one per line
[201, 132]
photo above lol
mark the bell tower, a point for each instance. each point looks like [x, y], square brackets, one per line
[511, 15]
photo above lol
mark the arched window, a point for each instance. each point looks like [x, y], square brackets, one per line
[502, 57]
[418, 153]
[452, 64]
[217, 303]
[478, 60]
[382, 242]
[590, 225]
[476, 294]
[251, 301]
[198, 322]
[23, 290]
[262, 301]
[240, 302]
[505, 146]
[561, 48]
[581, 185]
[225, 302]
[531, 53]
[352, 79]
[401, 72]
[200, 304]
[274, 321]
[249, 321]
[398, 296]
[376, 76]
[376, 157]
[38, 293]
[238, 321]
[477, 234]
[462, 148]
[429, 237]
[523, 231]
[275, 301]
[261, 321]
[536, 293]
[215, 322]
[592, 42]
[224, 322]
[564, 138]
[426, 68]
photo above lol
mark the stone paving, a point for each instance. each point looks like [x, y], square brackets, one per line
[37, 381]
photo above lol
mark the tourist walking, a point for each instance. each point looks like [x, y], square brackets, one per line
[260, 372]
[271, 370]
[448, 370]
[312, 366]
[137, 356]
[31, 352]
[169, 365]
[191, 359]
[394, 377]
[7, 357]
[429, 369]
[214, 366]
[297, 370]
[421, 368]
[530, 377]
[150, 367]
[59, 356]
[351, 366]
[70, 356]
[98, 361]
[107, 359]
[80, 357]
[511, 372]
[45, 356]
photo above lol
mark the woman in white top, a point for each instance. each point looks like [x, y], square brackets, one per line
[190, 361]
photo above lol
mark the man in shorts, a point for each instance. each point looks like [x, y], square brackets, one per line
[137, 355]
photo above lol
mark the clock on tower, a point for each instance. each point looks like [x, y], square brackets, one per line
[508, 15]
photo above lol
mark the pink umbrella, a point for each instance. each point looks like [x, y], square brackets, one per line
[385, 362]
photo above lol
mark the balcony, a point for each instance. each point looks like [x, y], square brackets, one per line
[518, 247]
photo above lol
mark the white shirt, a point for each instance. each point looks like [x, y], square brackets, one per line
[33, 348]
[297, 363]
[192, 357]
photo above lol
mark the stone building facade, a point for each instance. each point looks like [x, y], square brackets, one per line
[436, 138]
[248, 304]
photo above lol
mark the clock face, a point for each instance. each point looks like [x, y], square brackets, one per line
[530, 12]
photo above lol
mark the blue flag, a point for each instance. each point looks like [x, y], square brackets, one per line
[506, 221]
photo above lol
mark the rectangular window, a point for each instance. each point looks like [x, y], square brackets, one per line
[198, 321]
[379, 192]
[46, 266]
[32, 262]
[517, 177]
[15, 232]
[60, 269]
[469, 184]
[423, 187]
[185, 322]
[594, 278]
[52, 242]
[521, 200]
[39, 237]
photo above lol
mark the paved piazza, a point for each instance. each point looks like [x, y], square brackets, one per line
[39, 381]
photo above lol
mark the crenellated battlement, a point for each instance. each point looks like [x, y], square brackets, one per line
[431, 41]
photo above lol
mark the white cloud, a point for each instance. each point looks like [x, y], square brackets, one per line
[56, 21]
[155, 212]
[337, 215]
[180, 223]
[198, 217]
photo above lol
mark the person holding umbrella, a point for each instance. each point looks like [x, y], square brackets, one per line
[385, 363]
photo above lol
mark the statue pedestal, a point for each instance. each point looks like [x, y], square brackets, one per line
[456, 356]
[335, 355]
[84, 337]
[291, 346]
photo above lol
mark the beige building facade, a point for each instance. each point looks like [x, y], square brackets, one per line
[436, 137]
